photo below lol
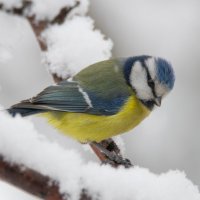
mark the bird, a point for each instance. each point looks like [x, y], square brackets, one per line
[105, 99]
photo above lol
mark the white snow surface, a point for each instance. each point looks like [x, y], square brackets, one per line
[81, 9]
[42, 11]
[9, 192]
[75, 45]
[8, 4]
[22, 144]
[5, 54]
[49, 9]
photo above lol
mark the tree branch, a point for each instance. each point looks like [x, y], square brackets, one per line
[33, 182]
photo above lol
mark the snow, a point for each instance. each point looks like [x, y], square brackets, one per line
[41, 11]
[81, 9]
[6, 194]
[5, 54]
[73, 173]
[8, 4]
[75, 45]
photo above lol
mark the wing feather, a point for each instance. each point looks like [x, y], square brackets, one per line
[63, 97]
[99, 89]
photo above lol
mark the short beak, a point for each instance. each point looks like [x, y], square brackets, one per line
[158, 101]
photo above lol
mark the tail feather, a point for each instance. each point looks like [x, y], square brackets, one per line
[24, 109]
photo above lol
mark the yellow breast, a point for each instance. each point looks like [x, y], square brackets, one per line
[86, 127]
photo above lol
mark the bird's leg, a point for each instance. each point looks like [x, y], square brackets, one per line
[99, 154]
[110, 145]
[113, 157]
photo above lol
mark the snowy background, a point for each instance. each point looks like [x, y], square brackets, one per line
[169, 138]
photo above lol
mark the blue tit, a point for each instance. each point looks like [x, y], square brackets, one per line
[103, 100]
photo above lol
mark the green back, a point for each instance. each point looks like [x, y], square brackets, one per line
[105, 78]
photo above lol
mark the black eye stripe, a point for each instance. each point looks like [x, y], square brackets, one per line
[150, 82]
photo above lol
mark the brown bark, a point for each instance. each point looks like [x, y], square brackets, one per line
[33, 182]
[28, 180]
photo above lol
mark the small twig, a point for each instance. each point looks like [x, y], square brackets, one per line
[39, 26]
[60, 18]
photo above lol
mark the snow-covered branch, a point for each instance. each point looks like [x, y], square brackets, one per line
[71, 173]
[74, 45]
[29, 180]
[33, 182]
[40, 15]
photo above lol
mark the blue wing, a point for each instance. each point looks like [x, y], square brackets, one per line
[66, 96]
[70, 97]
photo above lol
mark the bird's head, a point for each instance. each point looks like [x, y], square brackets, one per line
[151, 78]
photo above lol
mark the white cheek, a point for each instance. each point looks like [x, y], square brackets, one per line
[138, 80]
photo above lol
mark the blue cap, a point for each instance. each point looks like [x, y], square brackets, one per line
[165, 72]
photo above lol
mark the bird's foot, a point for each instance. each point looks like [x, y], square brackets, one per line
[119, 160]
[108, 162]
[113, 158]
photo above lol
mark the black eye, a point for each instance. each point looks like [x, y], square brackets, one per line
[151, 83]
[150, 80]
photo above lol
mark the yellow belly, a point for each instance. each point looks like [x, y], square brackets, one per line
[87, 127]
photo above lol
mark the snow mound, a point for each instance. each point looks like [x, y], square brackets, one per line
[5, 54]
[22, 144]
[75, 45]
[44, 12]
[8, 4]
[41, 11]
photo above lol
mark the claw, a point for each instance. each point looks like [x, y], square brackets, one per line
[114, 159]
[127, 163]
[121, 161]
[108, 162]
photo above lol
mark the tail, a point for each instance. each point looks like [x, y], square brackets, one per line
[24, 109]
